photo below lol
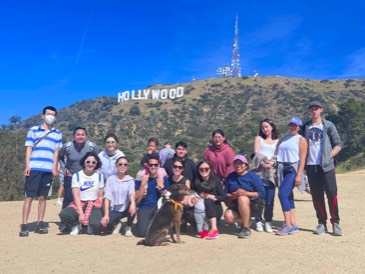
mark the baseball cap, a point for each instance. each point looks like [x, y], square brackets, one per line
[315, 103]
[241, 158]
[295, 120]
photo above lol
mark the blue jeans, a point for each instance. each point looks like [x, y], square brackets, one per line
[286, 194]
[269, 203]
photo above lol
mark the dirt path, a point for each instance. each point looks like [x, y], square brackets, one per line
[261, 253]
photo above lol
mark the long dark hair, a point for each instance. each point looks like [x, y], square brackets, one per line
[275, 133]
[212, 178]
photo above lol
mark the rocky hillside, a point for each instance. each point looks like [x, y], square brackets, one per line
[235, 105]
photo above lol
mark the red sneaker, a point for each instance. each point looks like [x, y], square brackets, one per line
[212, 234]
[203, 234]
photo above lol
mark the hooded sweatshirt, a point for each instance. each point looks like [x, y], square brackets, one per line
[221, 159]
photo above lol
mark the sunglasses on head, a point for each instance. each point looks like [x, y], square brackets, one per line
[122, 164]
[204, 169]
[178, 167]
[91, 162]
[153, 165]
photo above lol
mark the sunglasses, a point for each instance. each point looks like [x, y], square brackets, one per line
[178, 167]
[110, 142]
[153, 165]
[204, 169]
[122, 164]
[90, 162]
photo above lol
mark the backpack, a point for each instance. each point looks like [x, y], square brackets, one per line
[69, 144]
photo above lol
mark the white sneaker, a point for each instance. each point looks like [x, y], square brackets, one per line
[59, 201]
[75, 230]
[117, 228]
[268, 227]
[259, 227]
[128, 232]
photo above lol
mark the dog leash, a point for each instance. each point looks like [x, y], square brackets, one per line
[176, 204]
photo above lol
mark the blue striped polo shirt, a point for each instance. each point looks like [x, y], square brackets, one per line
[42, 155]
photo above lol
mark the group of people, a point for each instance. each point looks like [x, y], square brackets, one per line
[99, 192]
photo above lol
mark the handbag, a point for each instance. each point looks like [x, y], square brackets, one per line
[288, 168]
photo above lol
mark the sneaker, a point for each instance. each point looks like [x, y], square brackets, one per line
[268, 227]
[337, 231]
[244, 233]
[117, 228]
[259, 227]
[203, 234]
[212, 234]
[237, 225]
[24, 232]
[128, 232]
[75, 230]
[320, 229]
[59, 201]
[90, 230]
[41, 228]
[64, 228]
[295, 229]
[284, 231]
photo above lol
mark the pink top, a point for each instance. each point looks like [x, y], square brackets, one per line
[221, 159]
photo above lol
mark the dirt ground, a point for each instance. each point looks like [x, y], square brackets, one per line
[261, 253]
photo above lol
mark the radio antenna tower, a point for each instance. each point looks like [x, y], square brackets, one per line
[236, 69]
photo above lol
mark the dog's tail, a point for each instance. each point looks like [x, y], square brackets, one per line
[142, 242]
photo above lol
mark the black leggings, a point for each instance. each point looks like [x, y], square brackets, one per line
[212, 209]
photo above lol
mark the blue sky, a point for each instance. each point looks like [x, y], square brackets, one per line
[62, 51]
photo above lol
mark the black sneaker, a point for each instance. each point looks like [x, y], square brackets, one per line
[24, 232]
[64, 228]
[244, 233]
[41, 228]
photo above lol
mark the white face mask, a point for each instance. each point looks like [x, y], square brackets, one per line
[49, 119]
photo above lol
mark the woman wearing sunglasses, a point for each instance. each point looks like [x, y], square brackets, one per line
[213, 199]
[109, 156]
[177, 176]
[119, 199]
[87, 190]
[291, 156]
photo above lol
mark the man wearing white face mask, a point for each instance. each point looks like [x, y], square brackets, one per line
[43, 143]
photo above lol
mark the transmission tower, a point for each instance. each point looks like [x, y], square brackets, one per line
[235, 66]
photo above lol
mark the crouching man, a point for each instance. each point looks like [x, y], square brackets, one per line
[245, 192]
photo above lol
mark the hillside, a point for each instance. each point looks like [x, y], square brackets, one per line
[235, 105]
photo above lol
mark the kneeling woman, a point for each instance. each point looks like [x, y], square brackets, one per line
[291, 155]
[119, 199]
[87, 190]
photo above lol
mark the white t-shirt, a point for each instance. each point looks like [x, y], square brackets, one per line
[315, 137]
[89, 185]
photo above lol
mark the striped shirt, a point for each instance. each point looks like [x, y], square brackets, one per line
[42, 155]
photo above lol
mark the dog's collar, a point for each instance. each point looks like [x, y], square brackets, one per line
[176, 203]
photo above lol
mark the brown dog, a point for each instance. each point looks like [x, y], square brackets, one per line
[167, 218]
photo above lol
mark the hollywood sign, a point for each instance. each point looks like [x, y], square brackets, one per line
[151, 94]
